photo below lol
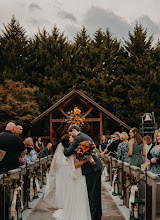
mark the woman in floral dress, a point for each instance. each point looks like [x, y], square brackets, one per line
[155, 152]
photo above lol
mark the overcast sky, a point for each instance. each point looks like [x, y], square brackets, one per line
[69, 16]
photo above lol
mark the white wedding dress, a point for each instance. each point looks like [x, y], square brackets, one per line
[76, 205]
[57, 179]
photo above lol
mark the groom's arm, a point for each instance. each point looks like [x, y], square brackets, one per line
[71, 149]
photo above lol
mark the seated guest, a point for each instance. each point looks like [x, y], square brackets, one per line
[39, 145]
[123, 148]
[109, 139]
[112, 148]
[31, 154]
[45, 151]
[14, 147]
[136, 148]
[155, 156]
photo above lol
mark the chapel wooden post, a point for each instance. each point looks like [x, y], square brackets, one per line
[51, 139]
[101, 127]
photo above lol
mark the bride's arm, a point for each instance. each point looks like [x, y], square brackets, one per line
[78, 164]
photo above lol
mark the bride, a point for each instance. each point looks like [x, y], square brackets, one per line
[76, 206]
[57, 179]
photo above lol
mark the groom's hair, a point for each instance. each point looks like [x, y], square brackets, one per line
[71, 127]
[65, 140]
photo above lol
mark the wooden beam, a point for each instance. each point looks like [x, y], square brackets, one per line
[58, 120]
[92, 130]
[51, 140]
[92, 119]
[43, 137]
[61, 110]
[29, 132]
[101, 126]
[87, 113]
[86, 103]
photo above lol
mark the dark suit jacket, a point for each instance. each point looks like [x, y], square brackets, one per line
[13, 145]
[44, 152]
[113, 147]
[87, 168]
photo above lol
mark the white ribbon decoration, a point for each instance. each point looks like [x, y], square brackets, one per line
[106, 171]
[114, 178]
[134, 189]
[37, 184]
[13, 205]
[31, 189]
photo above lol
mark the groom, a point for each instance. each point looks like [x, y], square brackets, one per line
[92, 173]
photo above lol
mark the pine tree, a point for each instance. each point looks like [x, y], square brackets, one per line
[138, 71]
[14, 44]
[50, 66]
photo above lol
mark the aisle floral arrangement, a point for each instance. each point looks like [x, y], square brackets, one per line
[13, 185]
[132, 179]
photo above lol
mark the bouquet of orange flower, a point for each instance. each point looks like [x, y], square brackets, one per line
[86, 150]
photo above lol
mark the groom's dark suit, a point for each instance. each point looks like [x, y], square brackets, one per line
[93, 177]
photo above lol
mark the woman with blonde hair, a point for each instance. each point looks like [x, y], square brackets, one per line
[136, 148]
[31, 154]
[155, 156]
[123, 148]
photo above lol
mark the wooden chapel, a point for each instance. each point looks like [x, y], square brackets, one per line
[50, 125]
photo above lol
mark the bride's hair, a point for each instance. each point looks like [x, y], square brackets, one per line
[65, 140]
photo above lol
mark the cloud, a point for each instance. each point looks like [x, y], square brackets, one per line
[66, 15]
[34, 6]
[97, 18]
[151, 26]
[38, 23]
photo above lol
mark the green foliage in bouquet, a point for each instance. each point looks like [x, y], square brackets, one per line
[35, 173]
[132, 179]
[12, 183]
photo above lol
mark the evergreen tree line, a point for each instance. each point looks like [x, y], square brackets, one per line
[123, 77]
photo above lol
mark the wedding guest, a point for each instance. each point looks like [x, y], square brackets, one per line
[45, 151]
[31, 154]
[148, 144]
[149, 156]
[103, 144]
[19, 130]
[155, 135]
[57, 180]
[39, 145]
[136, 148]
[109, 139]
[14, 147]
[155, 156]
[92, 173]
[123, 148]
[112, 148]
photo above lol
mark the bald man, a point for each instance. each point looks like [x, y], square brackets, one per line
[18, 130]
[14, 147]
